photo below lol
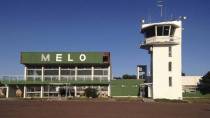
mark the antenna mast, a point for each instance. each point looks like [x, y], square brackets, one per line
[160, 4]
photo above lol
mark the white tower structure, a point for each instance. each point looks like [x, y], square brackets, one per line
[163, 40]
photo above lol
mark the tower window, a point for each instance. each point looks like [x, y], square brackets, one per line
[166, 31]
[149, 32]
[169, 66]
[159, 30]
[172, 31]
[170, 81]
[170, 51]
[163, 30]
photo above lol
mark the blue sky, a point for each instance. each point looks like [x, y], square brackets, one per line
[99, 25]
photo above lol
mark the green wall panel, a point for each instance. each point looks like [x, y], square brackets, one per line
[125, 87]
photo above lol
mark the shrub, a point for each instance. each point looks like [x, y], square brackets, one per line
[204, 86]
[91, 93]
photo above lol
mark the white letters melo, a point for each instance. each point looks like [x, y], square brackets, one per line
[82, 57]
[45, 58]
[59, 57]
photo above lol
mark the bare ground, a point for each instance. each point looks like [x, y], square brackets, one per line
[101, 109]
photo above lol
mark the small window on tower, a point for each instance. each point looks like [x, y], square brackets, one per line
[169, 66]
[170, 82]
[170, 51]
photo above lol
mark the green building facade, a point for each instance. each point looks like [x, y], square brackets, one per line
[67, 74]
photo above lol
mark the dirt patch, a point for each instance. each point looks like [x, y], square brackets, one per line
[101, 109]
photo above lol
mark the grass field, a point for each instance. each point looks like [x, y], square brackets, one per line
[196, 94]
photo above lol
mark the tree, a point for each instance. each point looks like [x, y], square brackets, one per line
[126, 76]
[117, 78]
[204, 86]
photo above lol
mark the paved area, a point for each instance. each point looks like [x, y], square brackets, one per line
[100, 109]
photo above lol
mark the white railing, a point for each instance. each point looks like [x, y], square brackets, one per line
[161, 39]
[51, 77]
[100, 77]
[34, 77]
[67, 77]
[84, 77]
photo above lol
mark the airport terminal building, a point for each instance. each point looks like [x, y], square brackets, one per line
[53, 74]
[66, 74]
[71, 72]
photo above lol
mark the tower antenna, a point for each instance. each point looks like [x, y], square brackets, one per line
[160, 4]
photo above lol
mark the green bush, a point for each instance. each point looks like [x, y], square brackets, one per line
[196, 94]
[91, 93]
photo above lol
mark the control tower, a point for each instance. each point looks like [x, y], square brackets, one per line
[163, 41]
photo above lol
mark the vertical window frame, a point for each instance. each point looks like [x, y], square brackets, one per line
[170, 82]
[170, 51]
[170, 66]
